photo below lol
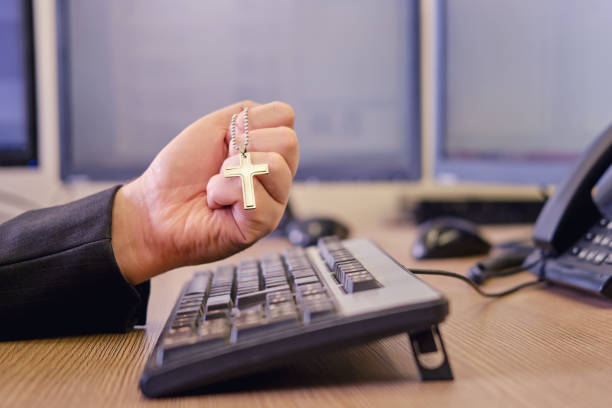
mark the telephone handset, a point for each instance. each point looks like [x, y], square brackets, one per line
[573, 237]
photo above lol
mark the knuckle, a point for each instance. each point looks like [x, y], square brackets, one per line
[276, 161]
[284, 110]
[247, 102]
[289, 137]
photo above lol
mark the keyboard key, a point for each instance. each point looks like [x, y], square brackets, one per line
[250, 300]
[575, 250]
[583, 253]
[609, 259]
[219, 302]
[309, 289]
[223, 270]
[351, 267]
[180, 324]
[216, 314]
[339, 257]
[327, 244]
[180, 331]
[590, 256]
[359, 281]
[275, 282]
[313, 298]
[193, 296]
[260, 297]
[281, 315]
[186, 315]
[303, 273]
[281, 311]
[279, 297]
[346, 268]
[220, 290]
[195, 307]
[295, 264]
[305, 281]
[190, 303]
[277, 308]
[605, 241]
[247, 322]
[178, 338]
[199, 283]
[213, 331]
[267, 279]
[222, 278]
[314, 310]
[597, 239]
[185, 319]
[273, 270]
[599, 258]
[332, 251]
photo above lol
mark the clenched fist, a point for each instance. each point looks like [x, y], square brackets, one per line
[183, 211]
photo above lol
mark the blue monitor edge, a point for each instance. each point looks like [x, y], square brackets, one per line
[25, 152]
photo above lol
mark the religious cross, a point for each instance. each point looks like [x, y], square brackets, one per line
[246, 170]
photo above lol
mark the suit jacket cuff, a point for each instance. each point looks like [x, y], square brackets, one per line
[58, 274]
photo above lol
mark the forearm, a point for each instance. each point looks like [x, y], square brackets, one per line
[58, 274]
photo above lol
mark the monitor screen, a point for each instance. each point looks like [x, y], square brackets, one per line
[526, 86]
[135, 73]
[17, 105]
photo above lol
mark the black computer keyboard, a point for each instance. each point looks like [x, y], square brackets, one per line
[239, 319]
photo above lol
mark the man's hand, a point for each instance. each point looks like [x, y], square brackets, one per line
[182, 210]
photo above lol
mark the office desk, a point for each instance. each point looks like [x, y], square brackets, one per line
[538, 347]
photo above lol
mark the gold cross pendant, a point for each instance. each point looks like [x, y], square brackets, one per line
[246, 170]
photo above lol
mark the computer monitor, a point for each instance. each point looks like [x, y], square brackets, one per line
[17, 101]
[133, 74]
[525, 87]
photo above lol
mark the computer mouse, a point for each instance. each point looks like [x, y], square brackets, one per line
[448, 237]
[307, 231]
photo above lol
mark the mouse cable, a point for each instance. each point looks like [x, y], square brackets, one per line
[475, 286]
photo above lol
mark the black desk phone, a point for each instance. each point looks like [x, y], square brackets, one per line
[573, 233]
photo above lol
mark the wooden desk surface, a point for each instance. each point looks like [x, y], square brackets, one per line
[539, 347]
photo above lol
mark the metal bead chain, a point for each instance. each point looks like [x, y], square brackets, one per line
[241, 149]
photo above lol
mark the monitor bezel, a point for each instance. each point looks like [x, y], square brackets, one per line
[409, 169]
[27, 156]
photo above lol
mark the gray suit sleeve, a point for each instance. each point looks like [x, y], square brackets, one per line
[58, 274]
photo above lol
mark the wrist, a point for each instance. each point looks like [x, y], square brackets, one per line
[130, 237]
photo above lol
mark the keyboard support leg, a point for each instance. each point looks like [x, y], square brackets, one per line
[430, 354]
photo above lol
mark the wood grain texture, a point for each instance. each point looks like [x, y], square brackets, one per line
[539, 347]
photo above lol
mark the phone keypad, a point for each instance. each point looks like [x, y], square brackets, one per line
[596, 245]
